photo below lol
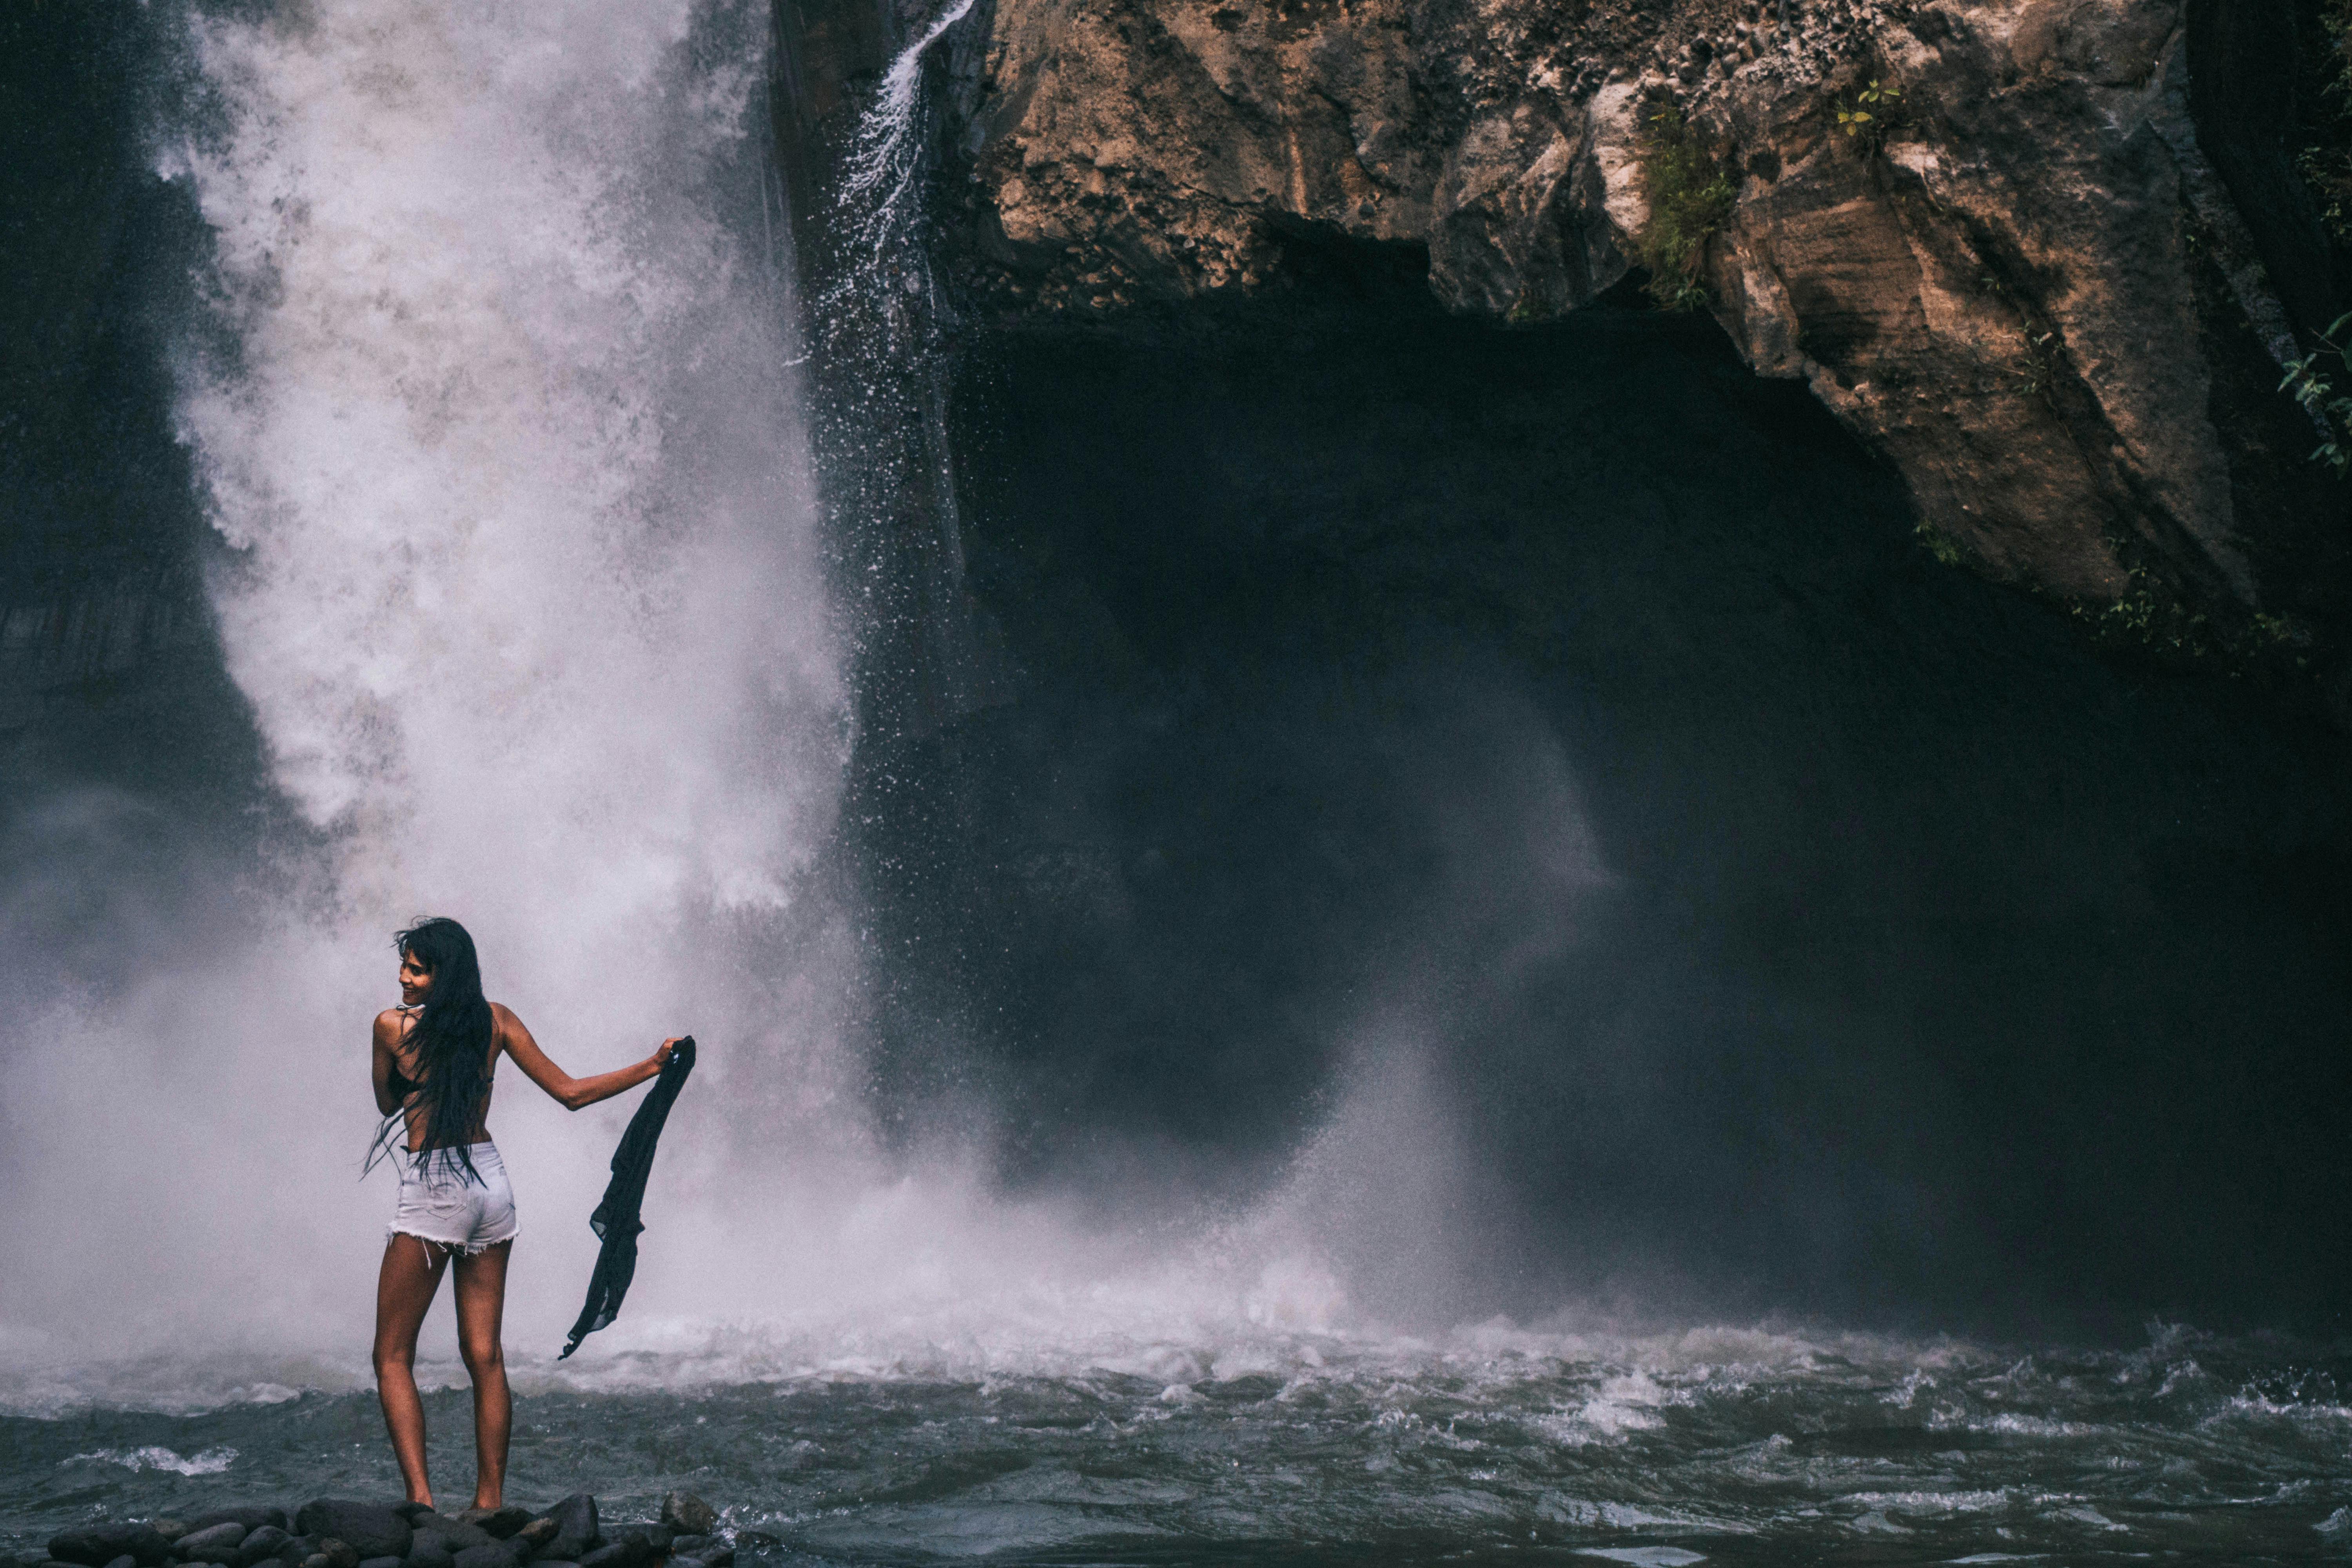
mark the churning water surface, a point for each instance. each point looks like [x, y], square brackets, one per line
[1485, 1445]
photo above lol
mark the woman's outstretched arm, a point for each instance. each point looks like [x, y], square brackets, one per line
[572, 1093]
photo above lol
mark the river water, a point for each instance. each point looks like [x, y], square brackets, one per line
[488, 387]
[1490, 1444]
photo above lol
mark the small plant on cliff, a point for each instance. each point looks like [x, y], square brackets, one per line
[2041, 370]
[2309, 385]
[1690, 195]
[1939, 544]
[2324, 162]
[2151, 620]
[1868, 115]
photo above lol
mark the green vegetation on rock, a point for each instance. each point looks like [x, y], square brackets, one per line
[2307, 380]
[1868, 113]
[1690, 195]
[2325, 159]
[1939, 544]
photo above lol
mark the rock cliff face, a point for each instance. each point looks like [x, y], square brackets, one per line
[100, 588]
[2021, 281]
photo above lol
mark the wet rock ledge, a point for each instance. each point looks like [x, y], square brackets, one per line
[338, 1532]
[2047, 259]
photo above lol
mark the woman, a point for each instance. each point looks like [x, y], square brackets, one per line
[434, 1057]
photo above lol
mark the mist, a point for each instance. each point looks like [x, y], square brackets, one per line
[488, 401]
[1470, 822]
[484, 377]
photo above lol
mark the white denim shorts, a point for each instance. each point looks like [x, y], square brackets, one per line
[442, 1204]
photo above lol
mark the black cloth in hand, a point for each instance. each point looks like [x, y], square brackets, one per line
[616, 1219]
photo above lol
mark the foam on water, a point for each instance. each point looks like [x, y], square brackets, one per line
[211, 1462]
[912, 1445]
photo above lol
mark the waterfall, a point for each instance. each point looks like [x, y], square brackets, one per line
[882, 178]
[491, 399]
[490, 403]
[923, 649]
[525, 593]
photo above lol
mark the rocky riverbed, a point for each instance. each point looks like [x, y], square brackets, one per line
[342, 1532]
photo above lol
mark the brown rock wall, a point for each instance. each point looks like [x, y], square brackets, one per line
[1998, 298]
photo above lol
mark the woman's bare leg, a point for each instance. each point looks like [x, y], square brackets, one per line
[403, 1290]
[481, 1312]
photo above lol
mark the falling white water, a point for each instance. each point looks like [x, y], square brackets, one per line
[527, 599]
[882, 178]
[524, 590]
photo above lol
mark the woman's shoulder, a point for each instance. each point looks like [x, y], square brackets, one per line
[390, 1025]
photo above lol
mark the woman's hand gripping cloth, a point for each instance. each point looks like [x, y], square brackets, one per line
[618, 1219]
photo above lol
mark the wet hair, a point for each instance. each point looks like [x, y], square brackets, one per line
[452, 1042]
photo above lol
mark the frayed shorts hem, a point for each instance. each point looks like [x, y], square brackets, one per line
[454, 1249]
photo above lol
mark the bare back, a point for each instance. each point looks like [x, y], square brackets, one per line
[394, 1028]
[396, 1066]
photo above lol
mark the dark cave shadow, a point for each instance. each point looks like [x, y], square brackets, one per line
[1941, 971]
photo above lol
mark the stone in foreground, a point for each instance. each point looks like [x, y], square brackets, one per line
[217, 1543]
[371, 1528]
[689, 1514]
[575, 1529]
[99, 1544]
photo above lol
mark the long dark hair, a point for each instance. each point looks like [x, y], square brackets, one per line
[452, 1041]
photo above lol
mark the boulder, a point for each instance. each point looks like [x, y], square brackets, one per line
[251, 1518]
[456, 1537]
[123, 1561]
[628, 1551]
[337, 1554]
[656, 1537]
[380, 1563]
[496, 1554]
[713, 1553]
[169, 1529]
[430, 1549]
[370, 1529]
[689, 1514]
[211, 1543]
[262, 1544]
[498, 1522]
[575, 1529]
[533, 1536]
[96, 1545]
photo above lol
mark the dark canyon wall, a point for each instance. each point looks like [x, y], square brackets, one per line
[1423, 643]
[124, 748]
[2026, 285]
[1787, 920]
